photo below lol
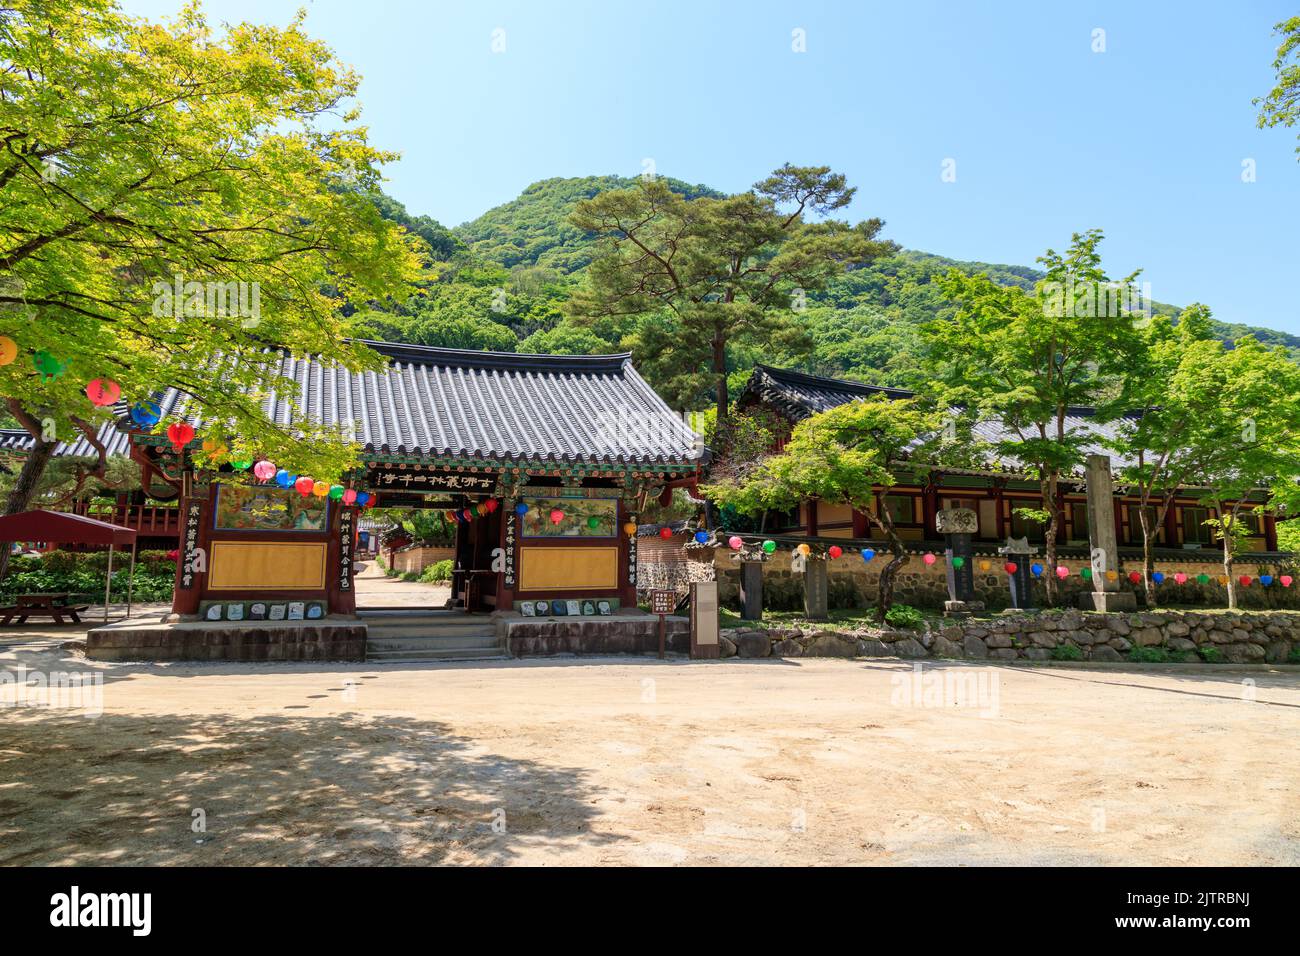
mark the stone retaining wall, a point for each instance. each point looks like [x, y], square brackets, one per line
[1179, 636]
[619, 634]
[852, 582]
[324, 641]
[417, 559]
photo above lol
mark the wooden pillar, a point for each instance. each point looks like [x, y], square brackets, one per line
[929, 506]
[1270, 532]
[999, 489]
[811, 506]
[1171, 527]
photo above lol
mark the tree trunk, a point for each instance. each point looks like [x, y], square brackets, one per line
[1148, 562]
[1049, 545]
[885, 595]
[1227, 569]
[720, 370]
[24, 490]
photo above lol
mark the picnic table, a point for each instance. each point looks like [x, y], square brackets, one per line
[51, 604]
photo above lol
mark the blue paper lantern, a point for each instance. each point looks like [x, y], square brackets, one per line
[362, 498]
[1158, 577]
[284, 479]
[146, 414]
[701, 537]
[1037, 569]
[867, 554]
[521, 509]
[1266, 579]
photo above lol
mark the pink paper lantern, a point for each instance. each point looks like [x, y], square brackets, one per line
[349, 496]
[1286, 580]
[1062, 573]
[1180, 578]
[103, 391]
[734, 542]
[264, 470]
[928, 558]
[556, 516]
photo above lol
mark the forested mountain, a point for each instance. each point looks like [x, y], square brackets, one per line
[499, 283]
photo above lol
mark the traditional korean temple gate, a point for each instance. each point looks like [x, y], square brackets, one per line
[546, 460]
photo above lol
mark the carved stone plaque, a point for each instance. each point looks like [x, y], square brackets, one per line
[956, 521]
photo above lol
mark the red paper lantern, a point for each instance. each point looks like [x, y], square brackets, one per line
[469, 515]
[1135, 577]
[665, 533]
[556, 516]
[449, 515]
[490, 505]
[835, 551]
[103, 391]
[180, 434]
[1009, 567]
[1244, 580]
[304, 485]
[1286, 580]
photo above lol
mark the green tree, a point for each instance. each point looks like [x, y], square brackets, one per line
[139, 159]
[1025, 359]
[842, 456]
[1281, 107]
[719, 272]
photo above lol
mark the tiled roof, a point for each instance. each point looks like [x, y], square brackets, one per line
[491, 405]
[19, 440]
[799, 395]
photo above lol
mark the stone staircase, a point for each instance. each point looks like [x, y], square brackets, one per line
[427, 635]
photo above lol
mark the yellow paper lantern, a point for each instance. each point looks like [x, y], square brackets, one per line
[629, 529]
[985, 565]
[1112, 575]
[320, 489]
[8, 350]
[805, 550]
[1223, 579]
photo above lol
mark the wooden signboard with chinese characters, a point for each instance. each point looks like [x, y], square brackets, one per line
[425, 482]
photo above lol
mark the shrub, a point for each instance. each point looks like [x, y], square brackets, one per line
[437, 572]
[1294, 656]
[1210, 654]
[903, 615]
[1067, 652]
[410, 576]
[81, 575]
[1149, 655]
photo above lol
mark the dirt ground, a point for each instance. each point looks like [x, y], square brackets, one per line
[631, 761]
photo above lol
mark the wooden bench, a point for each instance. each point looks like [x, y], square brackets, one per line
[52, 605]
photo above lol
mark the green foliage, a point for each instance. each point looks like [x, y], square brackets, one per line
[904, 615]
[437, 572]
[81, 574]
[429, 528]
[1281, 107]
[1293, 656]
[1210, 654]
[410, 576]
[1149, 655]
[1067, 652]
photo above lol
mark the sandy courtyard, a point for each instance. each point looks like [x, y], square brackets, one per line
[618, 761]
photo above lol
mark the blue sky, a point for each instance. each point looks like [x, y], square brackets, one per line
[1145, 140]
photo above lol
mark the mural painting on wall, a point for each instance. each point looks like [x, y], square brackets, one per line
[570, 517]
[255, 508]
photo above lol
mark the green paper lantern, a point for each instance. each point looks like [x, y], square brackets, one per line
[336, 492]
[241, 465]
[593, 522]
[769, 547]
[958, 562]
[1202, 578]
[47, 364]
[1086, 574]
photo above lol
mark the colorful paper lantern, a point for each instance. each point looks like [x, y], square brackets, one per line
[985, 565]
[1158, 577]
[1009, 567]
[1244, 580]
[593, 523]
[804, 550]
[1036, 569]
[1266, 579]
[320, 489]
[958, 561]
[701, 537]
[1223, 579]
[1286, 580]
[835, 551]
[1086, 574]
[1181, 578]
[665, 533]
[48, 365]
[556, 516]
[491, 505]
[735, 542]
[1135, 577]
[304, 485]
[1062, 572]
[146, 414]
[521, 509]
[284, 479]
[241, 465]
[364, 498]
[213, 447]
[180, 434]
[103, 391]
[629, 529]
[927, 558]
[769, 546]
[1201, 578]
[1112, 575]
[8, 350]
[264, 470]
[336, 492]
[349, 496]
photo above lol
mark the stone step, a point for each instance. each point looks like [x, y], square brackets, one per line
[388, 642]
[464, 654]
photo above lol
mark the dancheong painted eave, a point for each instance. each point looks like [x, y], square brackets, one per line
[433, 404]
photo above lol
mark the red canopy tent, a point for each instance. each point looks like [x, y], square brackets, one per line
[58, 527]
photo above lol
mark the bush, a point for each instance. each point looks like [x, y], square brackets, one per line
[1210, 654]
[1067, 652]
[1294, 656]
[903, 615]
[1149, 655]
[81, 575]
[437, 572]
[410, 576]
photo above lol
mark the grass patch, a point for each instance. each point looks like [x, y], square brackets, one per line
[1210, 654]
[1066, 652]
[1149, 655]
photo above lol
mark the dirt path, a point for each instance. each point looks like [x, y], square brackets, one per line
[375, 589]
[629, 761]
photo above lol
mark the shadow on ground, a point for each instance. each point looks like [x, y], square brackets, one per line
[277, 790]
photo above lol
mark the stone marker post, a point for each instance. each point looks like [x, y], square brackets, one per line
[957, 525]
[815, 603]
[1018, 552]
[751, 582]
[1106, 594]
